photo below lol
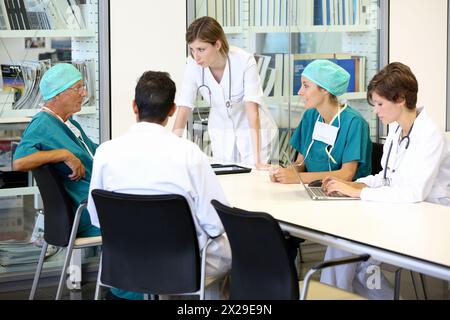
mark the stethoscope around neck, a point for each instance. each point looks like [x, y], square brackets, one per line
[386, 180]
[228, 104]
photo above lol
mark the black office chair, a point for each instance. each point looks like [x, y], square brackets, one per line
[60, 223]
[149, 244]
[377, 153]
[261, 268]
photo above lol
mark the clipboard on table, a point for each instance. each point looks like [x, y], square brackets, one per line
[220, 169]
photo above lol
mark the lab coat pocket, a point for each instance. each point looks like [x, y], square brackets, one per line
[237, 98]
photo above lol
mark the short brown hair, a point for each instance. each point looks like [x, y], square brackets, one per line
[396, 83]
[208, 30]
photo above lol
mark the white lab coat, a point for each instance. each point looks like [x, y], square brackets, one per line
[149, 159]
[229, 130]
[422, 172]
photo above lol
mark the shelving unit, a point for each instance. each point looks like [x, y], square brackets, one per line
[47, 33]
[89, 110]
[84, 46]
[308, 29]
[356, 33]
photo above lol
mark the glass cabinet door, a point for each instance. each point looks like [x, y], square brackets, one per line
[35, 35]
[285, 35]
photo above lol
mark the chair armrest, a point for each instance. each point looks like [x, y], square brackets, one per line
[76, 220]
[337, 262]
[327, 264]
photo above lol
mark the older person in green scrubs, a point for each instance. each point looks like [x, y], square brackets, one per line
[332, 139]
[54, 137]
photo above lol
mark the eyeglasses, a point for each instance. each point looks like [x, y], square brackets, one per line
[80, 89]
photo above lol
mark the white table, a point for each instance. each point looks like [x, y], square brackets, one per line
[412, 236]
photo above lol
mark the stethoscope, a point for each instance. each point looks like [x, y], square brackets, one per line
[386, 180]
[228, 103]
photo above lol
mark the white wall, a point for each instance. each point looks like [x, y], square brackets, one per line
[418, 38]
[147, 35]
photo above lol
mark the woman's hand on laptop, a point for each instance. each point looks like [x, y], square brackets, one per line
[332, 186]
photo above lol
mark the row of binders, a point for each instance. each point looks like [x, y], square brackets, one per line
[280, 73]
[275, 13]
[226, 12]
[41, 15]
[21, 82]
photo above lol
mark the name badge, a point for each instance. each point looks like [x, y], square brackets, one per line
[325, 133]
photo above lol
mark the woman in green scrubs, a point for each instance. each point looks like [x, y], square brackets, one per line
[332, 138]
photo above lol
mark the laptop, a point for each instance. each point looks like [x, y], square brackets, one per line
[316, 193]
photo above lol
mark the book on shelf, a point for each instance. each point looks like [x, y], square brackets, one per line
[200, 8]
[87, 69]
[262, 63]
[268, 82]
[4, 20]
[13, 81]
[6, 152]
[353, 64]
[237, 13]
[276, 63]
[284, 13]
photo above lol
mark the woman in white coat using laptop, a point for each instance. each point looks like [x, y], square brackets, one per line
[240, 127]
[416, 165]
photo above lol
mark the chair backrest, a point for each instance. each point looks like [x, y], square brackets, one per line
[377, 154]
[149, 243]
[260, 268]
[58, 211]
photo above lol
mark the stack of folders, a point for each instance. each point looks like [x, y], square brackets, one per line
[23, 79]
[41, 15]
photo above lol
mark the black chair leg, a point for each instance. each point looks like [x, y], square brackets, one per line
[398, 275]
[37, 275]
[414, 284]
[424, 287]
[300, 252]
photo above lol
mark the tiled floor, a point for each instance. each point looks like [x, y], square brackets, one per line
[312, 254]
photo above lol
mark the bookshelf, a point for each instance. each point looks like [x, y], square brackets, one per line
[85, 45]
[308, 28]
[289, 29]
[47, 33]
[55, 20]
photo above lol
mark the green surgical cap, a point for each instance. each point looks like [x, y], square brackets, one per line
[57, 79]
[328, 75]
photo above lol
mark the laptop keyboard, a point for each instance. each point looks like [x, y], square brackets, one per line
[317, 191]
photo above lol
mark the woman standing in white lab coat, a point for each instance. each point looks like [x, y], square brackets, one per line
[240, 127]
[416, 165]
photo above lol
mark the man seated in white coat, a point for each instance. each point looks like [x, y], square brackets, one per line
[150, 159]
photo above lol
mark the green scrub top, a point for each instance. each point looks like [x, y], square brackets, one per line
[352, 143]
[44, 133]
